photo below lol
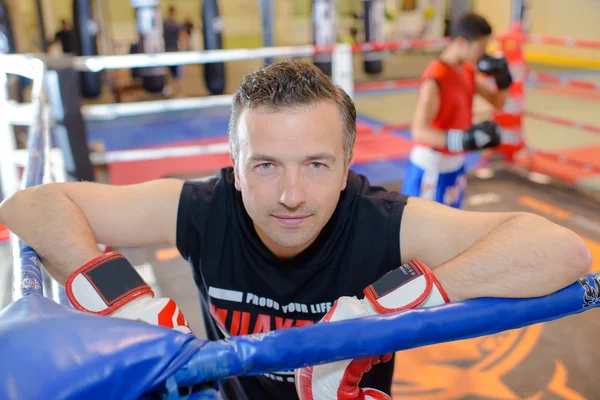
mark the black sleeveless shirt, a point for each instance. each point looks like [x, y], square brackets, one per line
[245, 289]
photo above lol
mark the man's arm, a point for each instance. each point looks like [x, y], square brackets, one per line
[64, 222]
[479, 254]
[497, 98]
[428, 104]
[183, 37]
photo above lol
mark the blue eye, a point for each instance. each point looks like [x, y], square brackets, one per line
[265, 166]
[316, 164]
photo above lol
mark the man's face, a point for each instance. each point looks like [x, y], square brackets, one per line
[475, 49]
[290, 170]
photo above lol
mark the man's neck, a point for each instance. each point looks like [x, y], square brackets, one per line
[450, 56]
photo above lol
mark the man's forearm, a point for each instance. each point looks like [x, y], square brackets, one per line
[526, 256]
[500, 98]
[429, 136]
[49, 222]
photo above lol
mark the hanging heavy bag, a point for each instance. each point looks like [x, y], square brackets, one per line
[323, 28]
[374, 32]
[85, 44]
[212, 25]
[150, 30]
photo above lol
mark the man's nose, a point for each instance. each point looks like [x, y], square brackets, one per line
[293, 194]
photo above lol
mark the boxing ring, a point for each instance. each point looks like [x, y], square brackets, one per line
[50, 350]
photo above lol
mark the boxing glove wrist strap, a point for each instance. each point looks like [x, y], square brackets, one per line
[455, 140]
[105, 284]
[413, 285]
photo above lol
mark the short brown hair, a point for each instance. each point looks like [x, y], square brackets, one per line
[286, 85]
[470, 26]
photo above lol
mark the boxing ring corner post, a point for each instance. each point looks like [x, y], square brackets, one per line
[29, 278]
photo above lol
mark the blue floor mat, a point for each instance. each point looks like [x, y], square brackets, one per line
[159, 129]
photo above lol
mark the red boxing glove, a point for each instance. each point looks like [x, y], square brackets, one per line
[110, 285]
[413, 285]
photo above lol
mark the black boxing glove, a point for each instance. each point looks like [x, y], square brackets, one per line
[496, 67]
[480, 136]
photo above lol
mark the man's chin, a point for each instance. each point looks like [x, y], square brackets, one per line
[288, 241]
[291, 239]
[291, 242]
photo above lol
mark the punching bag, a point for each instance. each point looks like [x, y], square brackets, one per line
[135, 72]
[151, 40]
[85, 44]
[212, 25]
[266, 13]
[7, 39]
[323, 29]
[374, 32]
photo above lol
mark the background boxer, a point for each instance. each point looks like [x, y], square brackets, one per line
[443, 127]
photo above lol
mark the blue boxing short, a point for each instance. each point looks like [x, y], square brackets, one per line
[436, 176]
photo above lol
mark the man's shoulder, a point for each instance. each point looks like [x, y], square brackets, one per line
[435, 69]
[209, 187]
[360, 187]
[224, 176]
[203, 204]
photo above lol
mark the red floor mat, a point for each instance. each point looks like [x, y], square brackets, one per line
[125, 173]
[363, 128]
[380, 146]
[576, 163]
[578, 93]
[369, 148]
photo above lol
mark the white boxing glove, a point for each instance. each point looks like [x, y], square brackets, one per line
[412, 285]
[110, 285]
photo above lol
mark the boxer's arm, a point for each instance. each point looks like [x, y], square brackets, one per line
[497, 98]
[480, 254]
[428, 104]
[64, 222]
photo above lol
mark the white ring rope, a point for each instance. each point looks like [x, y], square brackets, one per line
[113, 111]
[99, 63]
[115, 156]
[341, 59]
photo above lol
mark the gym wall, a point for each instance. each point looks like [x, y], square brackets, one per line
[241, 19]
[574, 19]
[25, 24]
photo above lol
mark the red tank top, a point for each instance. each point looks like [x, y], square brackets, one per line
[457, 88]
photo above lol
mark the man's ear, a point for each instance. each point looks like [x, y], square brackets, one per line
[348, 165]
[235, 173]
